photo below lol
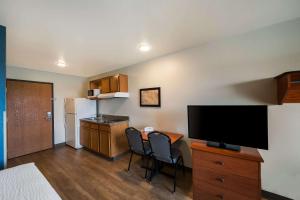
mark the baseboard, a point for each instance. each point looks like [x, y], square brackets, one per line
[272, 196]
[59, 145]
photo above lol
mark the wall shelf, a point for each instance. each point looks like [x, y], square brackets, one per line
[288, 87]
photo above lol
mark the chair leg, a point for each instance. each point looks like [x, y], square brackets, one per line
[147, 165]
[174, 187]
[153, 167]
[130, 161]
[182, 164]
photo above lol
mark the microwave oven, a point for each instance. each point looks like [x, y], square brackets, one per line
[93, 92]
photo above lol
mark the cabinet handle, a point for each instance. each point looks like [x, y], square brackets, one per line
[220, 196]
[219, 163]
[220, 179]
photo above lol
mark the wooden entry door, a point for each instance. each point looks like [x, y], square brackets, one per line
[29, 117]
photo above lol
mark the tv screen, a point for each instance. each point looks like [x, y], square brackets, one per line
[237, 125]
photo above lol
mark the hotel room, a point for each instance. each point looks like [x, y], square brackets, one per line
[161, 99]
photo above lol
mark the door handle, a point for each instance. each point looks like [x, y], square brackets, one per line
[49, 116]
[219, 163]
[220, 179]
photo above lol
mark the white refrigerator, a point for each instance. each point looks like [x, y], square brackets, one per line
[76, 109]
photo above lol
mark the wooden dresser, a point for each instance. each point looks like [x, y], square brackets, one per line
[224, 174]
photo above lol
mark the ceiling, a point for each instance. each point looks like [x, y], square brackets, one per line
[96, 36]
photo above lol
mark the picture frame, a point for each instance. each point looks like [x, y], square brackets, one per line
[150, 97]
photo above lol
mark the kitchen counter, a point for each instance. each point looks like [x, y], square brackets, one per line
[105, 135]
[107, 119]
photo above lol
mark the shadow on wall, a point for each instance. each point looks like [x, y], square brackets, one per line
[261, 91]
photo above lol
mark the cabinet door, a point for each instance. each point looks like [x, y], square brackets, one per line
[118, 140]
[105, 143]
[85, 136]
[114, 84]
[105, 86]
[95, 140]
[123, 83]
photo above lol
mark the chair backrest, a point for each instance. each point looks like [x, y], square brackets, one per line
[135, 140]
[160, 146]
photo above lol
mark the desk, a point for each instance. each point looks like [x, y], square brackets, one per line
[173, 136]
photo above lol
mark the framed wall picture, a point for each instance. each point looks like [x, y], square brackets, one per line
[150, 97]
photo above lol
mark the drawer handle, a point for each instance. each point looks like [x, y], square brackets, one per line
[220, 196]
[220, 179]
[219, 163]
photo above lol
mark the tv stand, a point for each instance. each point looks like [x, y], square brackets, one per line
[223, 145]
[224, 174]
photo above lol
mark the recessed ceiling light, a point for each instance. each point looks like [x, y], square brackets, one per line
[144, 47]
[61, 63]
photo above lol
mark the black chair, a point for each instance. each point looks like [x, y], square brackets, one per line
[162, 151]
[137, 145]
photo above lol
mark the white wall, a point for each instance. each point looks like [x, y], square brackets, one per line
[64, 86]
[237, 70]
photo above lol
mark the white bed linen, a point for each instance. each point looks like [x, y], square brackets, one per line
[25, 182]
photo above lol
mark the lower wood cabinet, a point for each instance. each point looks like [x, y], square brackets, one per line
[105, 143]
[85, 135]
[108, 140]
[94, 139]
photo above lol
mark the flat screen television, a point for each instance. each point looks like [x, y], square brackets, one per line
[229, 126]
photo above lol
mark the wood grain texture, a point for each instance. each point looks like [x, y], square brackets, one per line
[226, 164]
[246, 153]
[109, 140]
[173, 136]
[105, 85]
[118, 140]
[28, 129]
[81, 175]
[224, 174]
[116, 83]
[206, 191]
[123, 83]
[95, 84]
[105, 145]
[288, 87]
[227, 181]
[94, 140]
[85, 134]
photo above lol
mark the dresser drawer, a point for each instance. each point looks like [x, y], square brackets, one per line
[205, 191]
[226, 181]
[225, 164]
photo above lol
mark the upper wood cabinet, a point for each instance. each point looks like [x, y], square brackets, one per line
[119, 83]
[116, 83]
[288, 87]
[105, 85]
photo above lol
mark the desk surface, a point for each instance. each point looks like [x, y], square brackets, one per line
[173, 136]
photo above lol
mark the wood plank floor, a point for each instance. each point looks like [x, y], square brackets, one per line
[79, 174]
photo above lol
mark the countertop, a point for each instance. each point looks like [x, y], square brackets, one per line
[107, 119]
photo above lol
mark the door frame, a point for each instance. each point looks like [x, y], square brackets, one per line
[52, 101]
